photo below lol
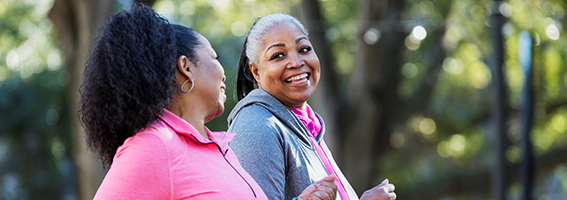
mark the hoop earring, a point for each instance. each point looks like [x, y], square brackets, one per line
[192, 85]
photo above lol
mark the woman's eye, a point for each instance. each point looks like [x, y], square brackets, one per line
[304, 49]
[277, 55]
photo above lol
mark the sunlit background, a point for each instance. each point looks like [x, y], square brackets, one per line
[441, 150]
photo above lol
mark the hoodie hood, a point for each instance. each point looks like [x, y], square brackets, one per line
[283, 113]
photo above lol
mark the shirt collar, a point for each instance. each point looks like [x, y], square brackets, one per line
[309, 119]
[180, 126]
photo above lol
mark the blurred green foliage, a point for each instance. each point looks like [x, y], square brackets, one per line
[35, 140]
[451, 137]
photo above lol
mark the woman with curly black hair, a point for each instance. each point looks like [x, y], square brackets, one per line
[148, 89]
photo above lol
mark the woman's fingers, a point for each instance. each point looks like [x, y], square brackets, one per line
[393, 196]
[383, 191]
[327, 190]
[330, 178]
[384, 182]
[324, 189]
[389, 188]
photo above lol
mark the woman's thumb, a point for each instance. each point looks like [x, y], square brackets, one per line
[329, 178]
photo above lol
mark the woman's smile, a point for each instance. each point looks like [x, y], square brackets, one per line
[298, 80]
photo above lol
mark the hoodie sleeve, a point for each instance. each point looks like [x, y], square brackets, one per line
[260, 148]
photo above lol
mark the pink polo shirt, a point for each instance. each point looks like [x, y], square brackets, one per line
[171, 160]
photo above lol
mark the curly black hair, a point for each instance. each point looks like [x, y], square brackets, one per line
[130, 76]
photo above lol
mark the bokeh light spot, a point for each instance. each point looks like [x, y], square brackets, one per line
[547, 21]
[259, 9]
[53, 60]
[453, 34]
[372, 36]
[419, 32]
[238, 28]
[443, 149]
[51, 117]
[166, 8]
[12, 59]
[397, 140]
[507, 29]
[505, 9]
[427, 126]
[552, 32]
[219, 5]
[412, 43]
[187, 8]
[332, 33]
[457, 142]
[409, 70]
[513, 154]
[453, 66]
[57, 148]
[559, 123]
[479, 75]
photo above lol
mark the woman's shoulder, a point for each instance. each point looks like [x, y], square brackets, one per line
[252, 113]
[146, 141]
[153, 139]
[157, 130]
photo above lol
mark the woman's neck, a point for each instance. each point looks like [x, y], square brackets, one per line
[302, 106]
[191, 114]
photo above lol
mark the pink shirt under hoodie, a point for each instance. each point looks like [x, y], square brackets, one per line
[313, 125]
[171, 160]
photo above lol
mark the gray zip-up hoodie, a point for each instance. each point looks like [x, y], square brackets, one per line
[273, 146]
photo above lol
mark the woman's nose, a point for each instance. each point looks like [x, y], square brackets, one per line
[223, 78]
[295, 61]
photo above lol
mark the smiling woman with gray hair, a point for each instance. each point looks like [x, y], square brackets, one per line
[279, 137]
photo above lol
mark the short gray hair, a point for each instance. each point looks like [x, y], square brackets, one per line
[257, 32]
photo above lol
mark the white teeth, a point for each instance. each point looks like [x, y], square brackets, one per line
[222, 90]
[298, 77]
[298, 82]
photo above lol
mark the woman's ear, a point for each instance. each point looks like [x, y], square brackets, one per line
[255, 71]
[185, 67]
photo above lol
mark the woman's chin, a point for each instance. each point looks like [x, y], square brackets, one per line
[217, 114]
[302, 96]
[220, 111]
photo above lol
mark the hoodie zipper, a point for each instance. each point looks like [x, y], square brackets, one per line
[224, 156]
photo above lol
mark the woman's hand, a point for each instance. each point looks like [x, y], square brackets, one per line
[384, 191]
[324, 189]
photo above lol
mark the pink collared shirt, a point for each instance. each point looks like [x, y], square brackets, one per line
[171, 160]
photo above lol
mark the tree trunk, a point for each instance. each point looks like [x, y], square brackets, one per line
[373, 99]
[325, 100]
[76, 22]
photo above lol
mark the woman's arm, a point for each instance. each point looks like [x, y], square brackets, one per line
[260, 149]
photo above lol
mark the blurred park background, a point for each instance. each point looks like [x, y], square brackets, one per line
[407, 90]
